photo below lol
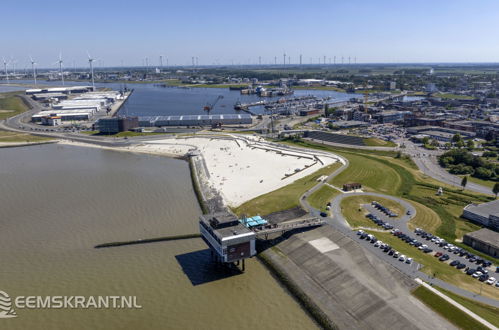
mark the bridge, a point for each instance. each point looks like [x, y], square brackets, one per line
[287, 226]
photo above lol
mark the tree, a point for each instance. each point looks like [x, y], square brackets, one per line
[495, 189]
[456, 138]
[470, 145]
[464, 181]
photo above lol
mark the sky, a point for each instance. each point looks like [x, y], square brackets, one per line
[239, 32]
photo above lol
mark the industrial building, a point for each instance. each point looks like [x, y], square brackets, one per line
[116, 124]
[196, 120]
[80, 108]
[52, 120]
[486, 214]
[63, 90]
[484, 240]
[229, 240]
[65, 115]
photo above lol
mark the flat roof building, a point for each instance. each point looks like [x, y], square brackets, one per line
[484, 240]
[227, 237]
[196, 120]
[486, 214]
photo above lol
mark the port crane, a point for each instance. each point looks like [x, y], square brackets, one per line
[209, 106]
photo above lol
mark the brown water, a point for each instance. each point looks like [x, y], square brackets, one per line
[57, 202]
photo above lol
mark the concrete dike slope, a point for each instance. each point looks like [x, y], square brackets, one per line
[351, 287]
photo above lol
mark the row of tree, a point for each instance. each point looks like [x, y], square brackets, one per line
[461, 161]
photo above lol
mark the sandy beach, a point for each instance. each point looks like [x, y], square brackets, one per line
[240, 167]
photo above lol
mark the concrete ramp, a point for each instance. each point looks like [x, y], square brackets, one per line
[355, 289]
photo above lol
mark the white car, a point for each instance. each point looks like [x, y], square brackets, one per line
[477, 274]
[402, 258]
[377, 244]
[491, 280]
[360, 232]
[422, 247]
[408, 261]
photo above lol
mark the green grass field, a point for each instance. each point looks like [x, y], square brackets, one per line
[487, 312]
[453, 96]
[11, 137]
[374, 142]
[322, 196]
[381, 171]
[11, 105]
[371, 173]
[355, 214]
[425, 218]
[450, 312]
[434, 267]
[284, 198]
[486, 183]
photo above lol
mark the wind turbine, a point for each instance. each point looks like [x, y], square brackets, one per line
[5, 68]
[33, 63]
[90, 62]
[60, 68]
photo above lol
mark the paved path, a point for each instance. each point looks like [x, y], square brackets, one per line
[461, 307]
[338, 222]
[427, 162]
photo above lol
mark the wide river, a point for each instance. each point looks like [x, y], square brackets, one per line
[57, 202]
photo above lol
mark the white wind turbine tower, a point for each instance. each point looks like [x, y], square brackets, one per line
[90, 61]
[5, 68]
[33, 63]
[60, 68]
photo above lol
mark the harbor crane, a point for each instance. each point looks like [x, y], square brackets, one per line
[209, 106]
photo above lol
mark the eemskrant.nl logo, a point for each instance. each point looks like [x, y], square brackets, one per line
[7, 304]
[6, 310]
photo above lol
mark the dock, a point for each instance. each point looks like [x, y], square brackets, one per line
[117, 106]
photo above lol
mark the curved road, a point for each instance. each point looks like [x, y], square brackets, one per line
[339, 223]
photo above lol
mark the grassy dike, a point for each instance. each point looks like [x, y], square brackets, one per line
[447, 310]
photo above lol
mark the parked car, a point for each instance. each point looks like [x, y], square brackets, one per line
[438, 254]
[470, 271]
[408, 260]
[461, 266]
[491, 280]
[454, 263]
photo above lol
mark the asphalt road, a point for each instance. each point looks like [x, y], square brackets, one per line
[338, 222]
[427, 162]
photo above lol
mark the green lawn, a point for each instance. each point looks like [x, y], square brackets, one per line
[11, 105]
[370, 172]
[355, 214]
[425, 218]
[322, 196]
[486, 183]
[453, 96]
[434, 267]
[450, 312]
[381, 171]
[487, 312]
[374, 142]
[11, 137]
[284, 198]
